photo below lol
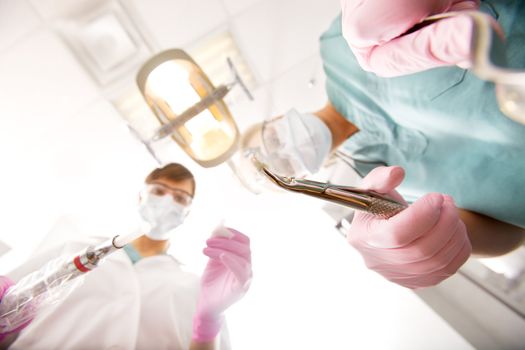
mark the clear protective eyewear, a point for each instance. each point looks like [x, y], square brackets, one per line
[179, 196]
[489, 62]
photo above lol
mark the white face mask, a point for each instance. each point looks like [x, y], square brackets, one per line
[297, 144]
[162, 213]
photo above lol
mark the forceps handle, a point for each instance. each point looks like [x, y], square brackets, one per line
[366, 201]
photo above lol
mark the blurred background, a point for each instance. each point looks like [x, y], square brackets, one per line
[71, 168]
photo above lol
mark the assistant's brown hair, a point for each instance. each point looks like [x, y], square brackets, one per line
[174, 172]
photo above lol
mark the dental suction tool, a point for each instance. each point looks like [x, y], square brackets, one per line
[365, 200]
[53, 282]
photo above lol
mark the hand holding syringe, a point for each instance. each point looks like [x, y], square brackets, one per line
[52, 283]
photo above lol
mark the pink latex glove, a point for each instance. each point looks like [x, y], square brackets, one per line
[225, 280]
[5, 284]
[376, 31]
[419, 247]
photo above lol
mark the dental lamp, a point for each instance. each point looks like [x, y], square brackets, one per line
[190, 109]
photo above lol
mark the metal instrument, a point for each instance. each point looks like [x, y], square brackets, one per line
[365, 200]
[52, 282]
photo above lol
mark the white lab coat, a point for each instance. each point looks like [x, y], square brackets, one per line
[120, 305]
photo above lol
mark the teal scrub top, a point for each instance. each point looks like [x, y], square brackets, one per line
[443, 126]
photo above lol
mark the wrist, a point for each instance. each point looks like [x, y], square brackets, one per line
[206, 328]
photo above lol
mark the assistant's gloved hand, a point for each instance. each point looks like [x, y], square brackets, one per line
[419, 247]
[385, 38]
[225, 280]
[5, 284]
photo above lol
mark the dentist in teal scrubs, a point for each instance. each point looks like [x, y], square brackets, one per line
[434, 132]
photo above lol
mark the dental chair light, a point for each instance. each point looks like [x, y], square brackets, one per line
[189, 108]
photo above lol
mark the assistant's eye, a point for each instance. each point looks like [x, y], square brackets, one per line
[181, 199]
[158, 191]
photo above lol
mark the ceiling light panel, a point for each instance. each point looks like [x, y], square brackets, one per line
[105, 41]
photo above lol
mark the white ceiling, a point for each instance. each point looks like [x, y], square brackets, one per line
[58, 127]
[70, 167]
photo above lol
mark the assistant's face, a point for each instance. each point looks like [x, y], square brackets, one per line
[180, 191]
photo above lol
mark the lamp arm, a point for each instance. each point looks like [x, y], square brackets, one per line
[216, 95]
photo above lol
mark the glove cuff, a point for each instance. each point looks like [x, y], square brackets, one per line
[205, 329]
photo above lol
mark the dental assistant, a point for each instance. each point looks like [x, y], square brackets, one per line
[432, 129]
[141, 298]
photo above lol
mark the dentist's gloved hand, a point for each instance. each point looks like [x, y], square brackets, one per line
[225, 280]
[384, 39]
[419, 247]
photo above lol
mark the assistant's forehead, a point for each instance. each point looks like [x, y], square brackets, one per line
[185, 185]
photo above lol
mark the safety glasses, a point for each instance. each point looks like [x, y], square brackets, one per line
[179, 196]
[489, 63]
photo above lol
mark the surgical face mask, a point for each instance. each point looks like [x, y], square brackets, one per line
[162, 213]
[296, 144]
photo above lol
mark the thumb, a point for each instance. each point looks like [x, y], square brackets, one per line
[383, 179]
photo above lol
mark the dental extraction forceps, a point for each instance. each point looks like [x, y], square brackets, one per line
[365, 200]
